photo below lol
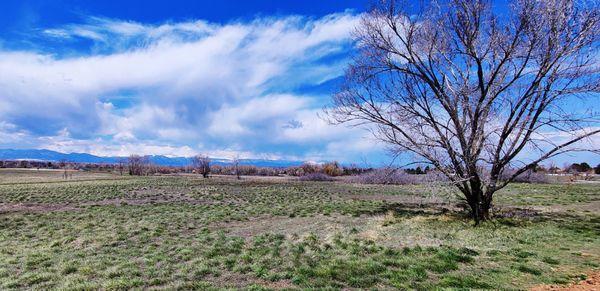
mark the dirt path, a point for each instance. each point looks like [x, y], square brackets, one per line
[35, 207]
[591, 283]
[50, 207]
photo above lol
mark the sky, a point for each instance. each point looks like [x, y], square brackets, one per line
[229, 79]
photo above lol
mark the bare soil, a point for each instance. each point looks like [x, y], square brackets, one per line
[235, 280]
[51, 207]
[591, 283]
[34, 207]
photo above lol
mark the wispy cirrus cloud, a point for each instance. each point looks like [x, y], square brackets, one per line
[116, 33]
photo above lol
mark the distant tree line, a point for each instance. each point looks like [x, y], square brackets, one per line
[136, 165]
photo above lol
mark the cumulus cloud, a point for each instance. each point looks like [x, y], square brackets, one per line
[180, 88]
[249, 117]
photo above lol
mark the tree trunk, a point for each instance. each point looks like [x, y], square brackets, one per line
[480, 206]
[481, 213]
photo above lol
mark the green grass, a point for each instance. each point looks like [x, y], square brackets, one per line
[549, 194]
[190, 233]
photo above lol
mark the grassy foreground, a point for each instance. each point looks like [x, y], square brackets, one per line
[110, 232]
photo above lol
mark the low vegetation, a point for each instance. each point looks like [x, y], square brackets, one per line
[182, 232]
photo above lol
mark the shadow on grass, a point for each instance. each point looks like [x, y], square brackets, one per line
[507, 216]
[408, 210]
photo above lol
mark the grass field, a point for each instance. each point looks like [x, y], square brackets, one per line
[112, 232]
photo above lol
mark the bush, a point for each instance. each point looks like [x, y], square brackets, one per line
[527, 177]
[580, 168]
[396, 177]
[308, 168]
[332, 169]
[382, 176]
[316, 177]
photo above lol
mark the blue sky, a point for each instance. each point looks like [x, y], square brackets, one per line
[177, 78]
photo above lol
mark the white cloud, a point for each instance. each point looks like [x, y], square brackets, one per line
[10, 134]
[118, 31]
[230, 63]
[265, 111]
[188, 83]
[111, 148]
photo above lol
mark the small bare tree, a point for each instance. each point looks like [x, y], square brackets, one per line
[137, 165]
[62, 164]
[471, 91]
[236, 166]
[202, 165]
[121, 165]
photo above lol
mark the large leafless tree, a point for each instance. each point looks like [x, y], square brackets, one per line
[476, 92]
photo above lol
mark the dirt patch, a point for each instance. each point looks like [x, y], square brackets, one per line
[591, 283]
[516, 212]
[29, 207]
[143, 201]
[405, 199]
[239, 281]
[51, 207]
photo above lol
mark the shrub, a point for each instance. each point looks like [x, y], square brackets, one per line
[580, 168]
[332, 169]
[316, 177]
[308, 168]
[527, 177]
[395, 177]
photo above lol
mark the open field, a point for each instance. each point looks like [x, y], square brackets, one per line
[112, 232]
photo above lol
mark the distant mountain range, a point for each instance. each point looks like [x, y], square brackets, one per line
[53, 156]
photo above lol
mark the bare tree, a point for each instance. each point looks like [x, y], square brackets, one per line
[64, 165]
[202, 165]
[121, 165]
[236, 166]
[137, 165]
[473, 92]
